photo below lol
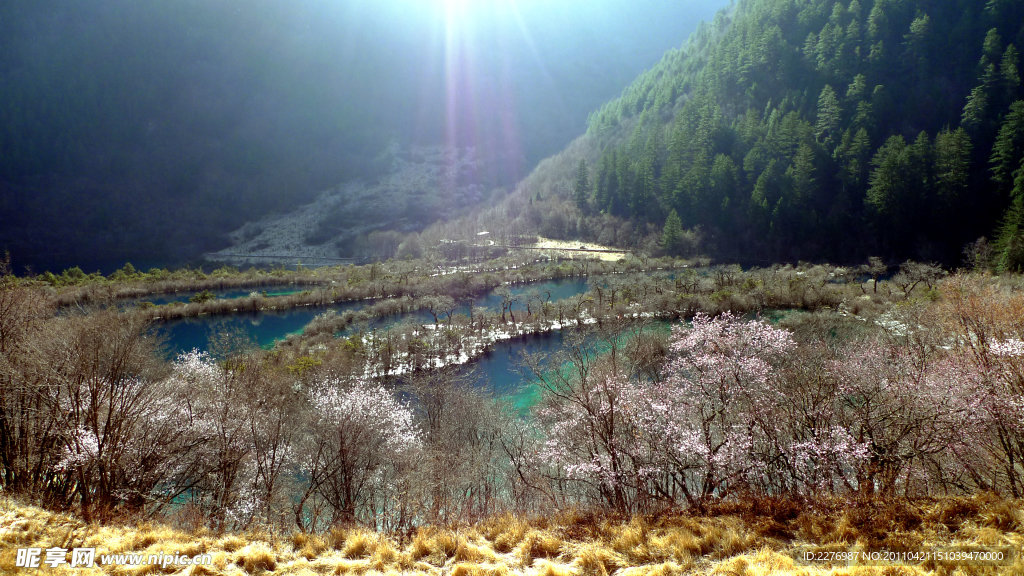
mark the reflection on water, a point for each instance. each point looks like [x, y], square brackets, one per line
[263, 327]
[502, 371]
[266, 327]
[548, 290]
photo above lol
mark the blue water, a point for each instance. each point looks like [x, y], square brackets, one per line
[502, 370]
[555, 289]
[263, 328]
[266, 327]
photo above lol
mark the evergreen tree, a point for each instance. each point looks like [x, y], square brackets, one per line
[765, 197]
[672, 234]
[1010, 72]
[581, 188]
[992, 49]
[1009, 147]
[921, 166]
[916, 42]
[952, 165]
[827, 129]
[642, 197]
[605, 172]
[620, 188]
[888, 197]
[695, 185]
[1009, 245]
[802, 174]
[652, 150]
[723, 197]
[761, 144]
[854, 157]
[976, 110]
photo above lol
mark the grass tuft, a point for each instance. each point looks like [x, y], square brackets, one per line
[360, 544]
[539, 544]
[1004, 516]
[256, 559]
[335, 537]
[479, 570]
[546, 568]
[593, 559]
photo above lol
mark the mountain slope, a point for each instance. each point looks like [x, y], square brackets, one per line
[149, 130]
[813, 129]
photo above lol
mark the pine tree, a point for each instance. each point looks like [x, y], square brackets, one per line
[1009, 146]
[642, 196]
[802, 174]
[878, 22]
[917, 45]
[989, 63]
[952, 165]
[921, 160]
[605, 172]
[888, 197]
[620, 189]
[827, 128]
[976, 110]
[724, 189]
[652, 150]
[857, 91]
[1009, 245]
[1010, 72]
[672, 234]
[802, 161]
[765, 197]
[992, 48]
[855, 158]
[581, 189]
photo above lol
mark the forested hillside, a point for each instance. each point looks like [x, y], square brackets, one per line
[824, 129]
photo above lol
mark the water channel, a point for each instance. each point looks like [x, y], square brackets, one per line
[499, 370]
[266, 327]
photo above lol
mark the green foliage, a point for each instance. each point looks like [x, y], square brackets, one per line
[581, 188]
[223, 272]
[952, 165]
[818, 124]
[827, 128]
[1009, 146]
[976, 109]
[1009, 69]
[204, 296]
[672, 234]
[304, 364]
[1009, 245]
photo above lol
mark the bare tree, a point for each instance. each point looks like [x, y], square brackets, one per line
[874, 268]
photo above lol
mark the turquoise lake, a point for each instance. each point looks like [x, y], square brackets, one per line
[266, 327]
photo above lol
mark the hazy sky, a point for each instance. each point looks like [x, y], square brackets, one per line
[516, 73]
[116, 113]
[512, 73]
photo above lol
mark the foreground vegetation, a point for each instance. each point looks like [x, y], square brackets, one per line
[745, 539]
[871, 413]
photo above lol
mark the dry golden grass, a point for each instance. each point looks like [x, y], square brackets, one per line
[505, 531]
[256, 558]
[539, 544]
[737, 539]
